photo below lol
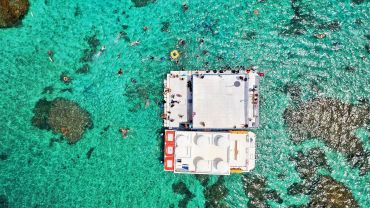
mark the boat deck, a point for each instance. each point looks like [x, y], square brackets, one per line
[227, 100]
[216, 153]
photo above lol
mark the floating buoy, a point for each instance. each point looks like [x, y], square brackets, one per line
[66, 79]
[174, 54]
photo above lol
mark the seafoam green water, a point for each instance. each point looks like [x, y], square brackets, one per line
[127, 172]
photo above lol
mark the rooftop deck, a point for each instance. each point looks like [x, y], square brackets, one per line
[227, 100]
[215, 153]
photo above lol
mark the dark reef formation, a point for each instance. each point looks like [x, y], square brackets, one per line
[77, 11]
[136, 95]
[358, 1]
[3, 156]
[255, 187]
[89, 53]
[4, 201]
[180, 188]
[249, 35]
[123, 34]
[305, 19]
[209, 26]
[55, 140]
[333, 122]
[62, 116]
[48, 90]
[302, 19]
[307, 164]
[83, 69]
[165, 26]
[142, 3]
[89, 153]
[12, 11]
[329, 193]
[367, 46]
[324, 191]
[215, 194]
[203, 179]
[294, 91]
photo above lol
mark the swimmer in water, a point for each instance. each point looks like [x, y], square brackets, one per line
[147, 103]
[50, 54]
[120, 72]
[135, 43]
[124, 132]
[101, 50]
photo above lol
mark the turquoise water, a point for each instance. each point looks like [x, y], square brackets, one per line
[126, 172]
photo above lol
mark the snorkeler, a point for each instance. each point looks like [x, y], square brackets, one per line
[101, 50]
[124, 132]
[135, 43]
[164, 116]
[51, 55]
[185, 7]
[120, 72]
[181, 42]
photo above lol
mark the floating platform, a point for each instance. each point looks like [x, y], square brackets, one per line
[206, 116]
[216, 153]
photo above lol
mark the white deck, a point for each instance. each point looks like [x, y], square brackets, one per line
[220, 102]
[180, 112]
[213, 152]
[216, 101]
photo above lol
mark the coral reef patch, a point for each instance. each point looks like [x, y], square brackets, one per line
[333, 122]
[203, 179]
[12, 12]
[4, 201]
[307, 164]
[48, 90]
[180, 188]
[89, 153]
[89, 53]
[142, 3]
[255, 187]
[330, 193]
[305, 19]
[165, 26]
[83, 69]
[137, 94]
[215, 194]
[3, 156]
[294, 91]
[62, 116]
[324, 191]
[358, 1]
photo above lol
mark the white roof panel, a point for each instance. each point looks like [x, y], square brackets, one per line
[221, 101]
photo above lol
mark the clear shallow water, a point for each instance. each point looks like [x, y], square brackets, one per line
[127, 172]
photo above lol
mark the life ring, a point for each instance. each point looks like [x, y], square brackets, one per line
[174, 54]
